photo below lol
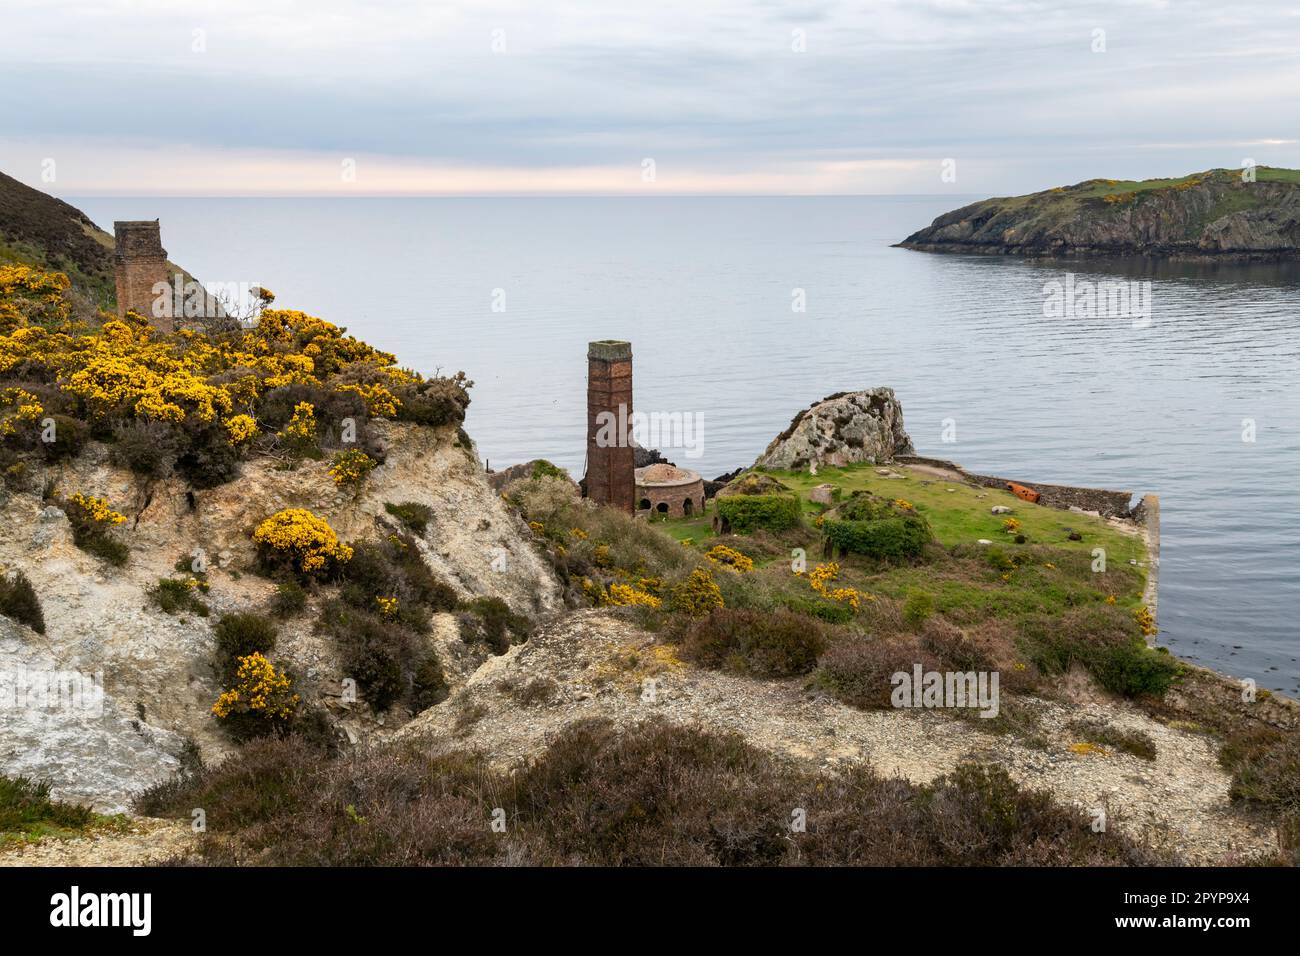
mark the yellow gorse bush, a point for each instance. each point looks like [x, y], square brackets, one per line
[351, 468]
[240, 429]
[258, 689]
[96, 510]
[301, 538]
[126, 369]
[820, 578]
[625, 595]
[730, 558]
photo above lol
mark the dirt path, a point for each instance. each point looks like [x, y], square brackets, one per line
[149, 841]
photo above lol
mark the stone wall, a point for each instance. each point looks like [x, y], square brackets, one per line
[674, 496]
[1108, 504]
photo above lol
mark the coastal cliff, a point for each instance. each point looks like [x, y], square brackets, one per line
[1215, 215]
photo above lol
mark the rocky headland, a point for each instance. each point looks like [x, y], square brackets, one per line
[1220, 215]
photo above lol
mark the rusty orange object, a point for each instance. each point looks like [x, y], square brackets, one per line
[1025, 494]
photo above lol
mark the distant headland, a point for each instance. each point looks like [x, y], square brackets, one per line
[1250, 214]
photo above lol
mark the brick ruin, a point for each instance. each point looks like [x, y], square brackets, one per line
[611, 453]
[141, 263]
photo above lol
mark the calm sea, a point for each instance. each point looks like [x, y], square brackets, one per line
[705, 288]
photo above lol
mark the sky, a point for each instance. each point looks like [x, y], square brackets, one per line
[342, 97]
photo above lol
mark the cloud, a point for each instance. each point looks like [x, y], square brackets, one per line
[739, 95]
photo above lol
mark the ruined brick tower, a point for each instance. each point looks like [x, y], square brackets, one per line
[141, 263]
[611, 478]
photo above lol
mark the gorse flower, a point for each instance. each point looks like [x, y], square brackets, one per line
[259, 689]
[730, 558]
[299, 538]
[96, 510]
[351, 468]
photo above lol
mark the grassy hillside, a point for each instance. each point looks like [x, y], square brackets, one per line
[39, 230]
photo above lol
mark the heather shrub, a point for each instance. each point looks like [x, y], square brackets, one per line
[26, 810]
[778, 643]
[390, 577]
[179, 595]
[18, 601]
[490, 619]
[289, 599]
[653, 795]
[389, 661]
[1265, 767]
[859, 670]
[413, 515]
[1099, 732]
[69, 435]
[147, 448]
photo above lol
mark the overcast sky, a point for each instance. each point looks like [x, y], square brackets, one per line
[254, 97]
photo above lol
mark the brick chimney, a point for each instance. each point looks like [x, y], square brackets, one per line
[610, 454]
[141, 263]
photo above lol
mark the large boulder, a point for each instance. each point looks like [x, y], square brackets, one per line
[841, 429]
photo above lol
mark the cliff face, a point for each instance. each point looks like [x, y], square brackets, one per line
[1213, 215]
[158, 680]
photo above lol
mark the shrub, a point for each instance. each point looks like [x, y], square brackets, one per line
[730, 558]
[429, 685]
[895, 540]
[766, 644]
[237, 636]
[831, 612]
[27, 810]
[391, 575]
[351, 468]
[412, 514]
[69, 438]
[859, 670]
[698, 594]
[176, 595]
[379, 654]
[655, 794]
[92, 519]
[493, 621]
[435, 402]
[146, 447]
[260, 701]
[743, 514]
[299, 433]
[1103, 639]
[1265, 767]
[289, 598]
[18, 601]
[917, 608]
[297, 540]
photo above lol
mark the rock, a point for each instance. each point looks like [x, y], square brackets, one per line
[841, 429]
[1000, 510]
[983, 541]
[823, 494]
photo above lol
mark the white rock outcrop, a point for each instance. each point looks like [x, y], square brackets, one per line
[841, 429]
[158, 684]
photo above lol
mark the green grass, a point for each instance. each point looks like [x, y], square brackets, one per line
[960, 516]
[27, 813]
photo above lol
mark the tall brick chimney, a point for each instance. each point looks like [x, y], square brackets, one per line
[610, 454]
[141, 263]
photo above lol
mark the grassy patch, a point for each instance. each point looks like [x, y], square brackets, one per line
[1134, 742]
[28, 813]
